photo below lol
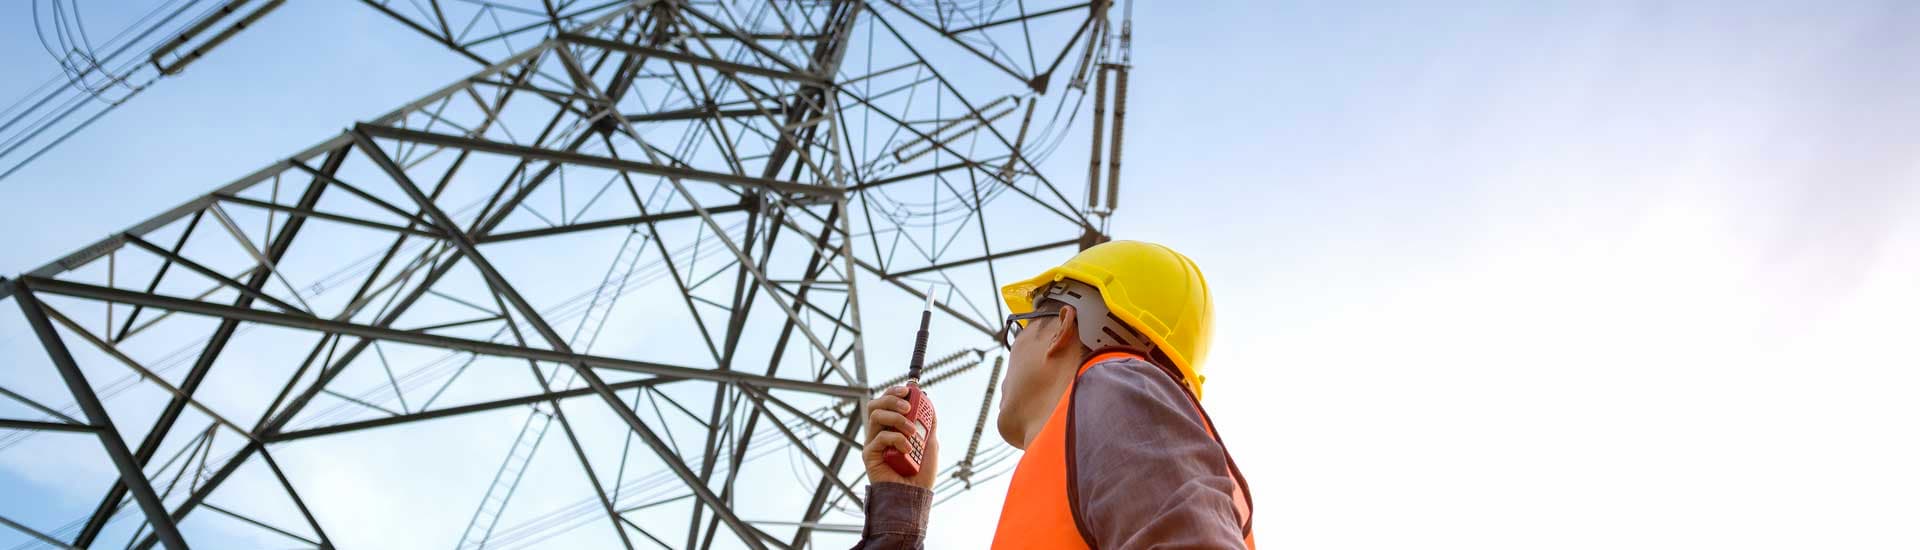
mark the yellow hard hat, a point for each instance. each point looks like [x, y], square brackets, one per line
[1152, 288]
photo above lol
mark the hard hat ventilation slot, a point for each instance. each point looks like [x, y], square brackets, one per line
[1099, 327]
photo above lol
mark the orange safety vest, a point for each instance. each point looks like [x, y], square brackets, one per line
[1039, 512]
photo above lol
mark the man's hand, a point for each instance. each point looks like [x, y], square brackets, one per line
[887, 427]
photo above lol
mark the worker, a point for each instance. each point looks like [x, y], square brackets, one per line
[1103, 394]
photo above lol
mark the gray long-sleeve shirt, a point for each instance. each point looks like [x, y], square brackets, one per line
[1148, 474]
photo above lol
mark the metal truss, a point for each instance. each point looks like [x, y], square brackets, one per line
[761, 172]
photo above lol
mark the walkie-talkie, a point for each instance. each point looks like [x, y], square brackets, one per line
[919, 408]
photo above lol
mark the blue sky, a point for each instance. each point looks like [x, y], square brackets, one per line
[1492, 275]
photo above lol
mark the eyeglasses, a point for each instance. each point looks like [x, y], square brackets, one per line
[1012, 329]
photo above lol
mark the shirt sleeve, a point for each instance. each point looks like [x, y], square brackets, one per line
[896, 517]
[1147, 473]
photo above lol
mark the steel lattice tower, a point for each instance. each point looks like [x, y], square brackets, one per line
[655, 226]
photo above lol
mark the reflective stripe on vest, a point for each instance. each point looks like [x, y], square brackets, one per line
[1039, 511]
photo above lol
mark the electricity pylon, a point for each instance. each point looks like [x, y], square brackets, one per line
[760, 174]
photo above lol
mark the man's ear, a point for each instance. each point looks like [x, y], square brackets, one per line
[1066, 340]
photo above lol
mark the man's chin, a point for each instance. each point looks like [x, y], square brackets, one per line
[1008, 435]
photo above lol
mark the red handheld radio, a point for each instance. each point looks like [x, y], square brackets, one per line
[919, 408]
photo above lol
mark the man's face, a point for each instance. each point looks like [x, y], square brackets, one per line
[1026, 378]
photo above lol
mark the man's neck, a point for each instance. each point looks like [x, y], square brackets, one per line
[1061, 371]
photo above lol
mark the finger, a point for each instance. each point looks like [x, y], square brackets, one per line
[888, 440]
[889, 403]
[884, 403]
[890, 420]
[899, 403]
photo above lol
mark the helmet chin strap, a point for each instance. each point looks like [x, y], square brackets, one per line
[1098, 328]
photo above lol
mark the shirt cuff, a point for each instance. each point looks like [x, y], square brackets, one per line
[898, 510]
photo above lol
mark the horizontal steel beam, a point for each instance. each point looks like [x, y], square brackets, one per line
[458, 410]
[703, 112]
[488, 146]
[603, 224]
[670, 55]
[556, 94]
[11, 424]
[764, 36]
[918, 173]
[208, 272]
[993, 256]
[1023, 17]
[35, 405]
[80, 290]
